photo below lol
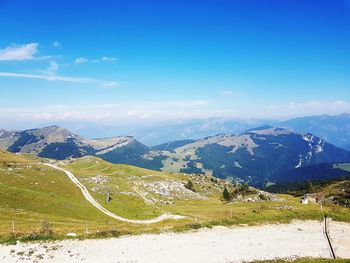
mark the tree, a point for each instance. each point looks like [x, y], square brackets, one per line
[226, 194]
[190, 186]
[309, 187]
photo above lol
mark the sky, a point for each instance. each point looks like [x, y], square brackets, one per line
[130, 62]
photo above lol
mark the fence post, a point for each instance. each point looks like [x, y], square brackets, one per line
[86, 228]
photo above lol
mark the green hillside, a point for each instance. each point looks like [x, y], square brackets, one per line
[31, 192]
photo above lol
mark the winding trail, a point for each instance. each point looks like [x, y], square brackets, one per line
[97, 205]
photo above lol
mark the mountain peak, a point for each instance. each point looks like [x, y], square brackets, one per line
[269, 130]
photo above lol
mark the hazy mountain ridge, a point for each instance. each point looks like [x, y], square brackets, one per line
[332, 128]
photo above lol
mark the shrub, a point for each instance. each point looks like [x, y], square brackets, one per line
[194, 226]
[46, 228]
[226, 194]
[190, 186]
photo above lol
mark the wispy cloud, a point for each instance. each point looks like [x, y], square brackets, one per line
[111, 84]
[29, 51]
[155, 111]
[105, 58]
[47, 77]
[19, 52]
[81, 60]
[140, 111]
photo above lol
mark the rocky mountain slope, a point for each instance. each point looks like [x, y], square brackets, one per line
[257, 156]
[59, 143]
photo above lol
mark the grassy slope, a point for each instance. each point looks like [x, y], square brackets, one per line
[121, 179]
[31, 192]
[203, 211]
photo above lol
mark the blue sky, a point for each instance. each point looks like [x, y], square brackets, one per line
[150, 61]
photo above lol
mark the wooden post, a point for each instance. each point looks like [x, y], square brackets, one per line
[231, 213]
[108, 197]
[86, 228]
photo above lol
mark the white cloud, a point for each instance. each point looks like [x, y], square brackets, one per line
[19, 52]
[111, 84]
[140, 111]
[143, 112]
[81, 60]
[105, 58]
[95, 60]
[56, 44]
[47, 77]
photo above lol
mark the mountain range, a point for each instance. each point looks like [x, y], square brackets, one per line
[258, 156]
[334, 129]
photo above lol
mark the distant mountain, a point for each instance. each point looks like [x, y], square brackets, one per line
[59, 143]
[193, 129]
[334, 129]
[257, 156]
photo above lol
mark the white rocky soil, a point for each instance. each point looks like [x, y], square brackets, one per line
[220, 244]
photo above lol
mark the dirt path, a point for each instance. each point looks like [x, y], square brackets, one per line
[138, 192]
[96, 204]
[217, 245]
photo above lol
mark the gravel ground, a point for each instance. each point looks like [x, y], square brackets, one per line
[220, 244]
